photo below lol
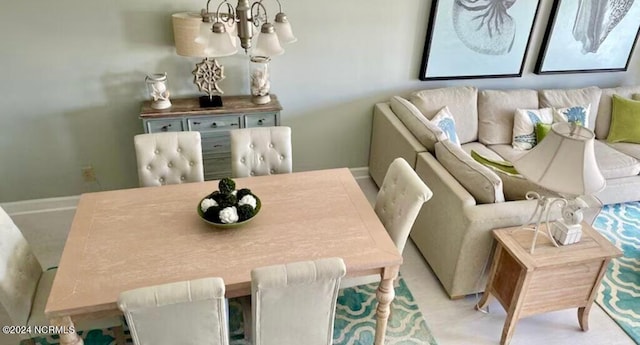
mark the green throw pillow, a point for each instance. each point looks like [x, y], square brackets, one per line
[625, 121]
[496, 164]
[541, 131]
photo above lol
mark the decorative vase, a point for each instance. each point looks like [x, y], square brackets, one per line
[259, 79]
[157, 86]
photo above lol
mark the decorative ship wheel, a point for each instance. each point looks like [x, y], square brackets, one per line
[207, 74]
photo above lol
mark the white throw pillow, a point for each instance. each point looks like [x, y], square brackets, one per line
[444, 120]
[578, 113]
[524, 126]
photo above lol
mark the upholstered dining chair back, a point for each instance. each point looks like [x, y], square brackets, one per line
[25, 288]
[169, 158]
[295, 303]
[19, 272]
[399, 200]
[189, 312]
[261, 151]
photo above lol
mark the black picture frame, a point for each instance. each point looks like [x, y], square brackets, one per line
[572, 52]
[449, 27]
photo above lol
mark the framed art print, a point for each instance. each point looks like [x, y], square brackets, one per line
[589, 36]
[477, 38]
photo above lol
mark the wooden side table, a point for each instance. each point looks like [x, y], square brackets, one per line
[550, 279]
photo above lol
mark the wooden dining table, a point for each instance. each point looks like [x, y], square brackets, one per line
[130, 238]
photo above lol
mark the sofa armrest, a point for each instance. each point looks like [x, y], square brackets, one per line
[390, 139]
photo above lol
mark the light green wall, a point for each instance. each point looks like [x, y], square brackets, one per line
[73, 78]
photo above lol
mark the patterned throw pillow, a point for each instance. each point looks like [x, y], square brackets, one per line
[444, 120]
[524, 125]
[578, 114]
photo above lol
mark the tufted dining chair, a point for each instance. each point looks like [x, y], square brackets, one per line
[190, 312]
[25, 287]
[261, 151]
[295, 303]
[169, 158]
[398, 203]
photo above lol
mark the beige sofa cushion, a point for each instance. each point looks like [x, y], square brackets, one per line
[629, 149]
[507, 152]
[496, 109]
[426, 132]
[462, 102]
[562, 98]
[615, 164]
[603, 121]
[477, 179]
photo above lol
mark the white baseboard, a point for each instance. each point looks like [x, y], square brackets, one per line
[360, 173]
[40, 205]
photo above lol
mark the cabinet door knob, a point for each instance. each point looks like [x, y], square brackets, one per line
[165, 128]
[214, 125]
[234, 124]
[217, 145]
[196, 122]
[260, 122]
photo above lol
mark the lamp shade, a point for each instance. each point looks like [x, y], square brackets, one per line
[186, 27]
[564, 161]
[220, 43]
[283, 29]
[267, 43]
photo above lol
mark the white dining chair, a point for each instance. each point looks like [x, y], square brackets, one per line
[261, 151]
[169, 158]
[398, 203]
[190, 312]
[25, 287]
[295, 303]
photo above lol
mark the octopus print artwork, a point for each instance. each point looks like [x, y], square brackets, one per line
[485, 26]
[590, 36]
[494, 34]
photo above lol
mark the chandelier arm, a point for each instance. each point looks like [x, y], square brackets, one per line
[256, 17]
[279, 6]
[231, 15]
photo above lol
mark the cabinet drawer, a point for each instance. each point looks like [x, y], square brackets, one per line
[211, 124]
[166, 125]
[260, 120]
[216, 143]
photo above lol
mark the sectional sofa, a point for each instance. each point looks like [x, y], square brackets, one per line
[453, 229]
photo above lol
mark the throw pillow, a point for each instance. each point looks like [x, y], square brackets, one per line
[495, 164]
[625, 121]
[524, 122]
[578, 114]
[514, 185]
[541, 131]
[481, 182]
[426, 132]
[444, 120]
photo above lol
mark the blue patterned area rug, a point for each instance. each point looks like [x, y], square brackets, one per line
[355, 321]
[619, 293]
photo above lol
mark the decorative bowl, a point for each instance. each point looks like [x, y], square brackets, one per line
[230, 225]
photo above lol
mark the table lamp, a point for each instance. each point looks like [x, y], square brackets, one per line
[563, 162]
[208, 73]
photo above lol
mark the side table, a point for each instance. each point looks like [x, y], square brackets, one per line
[552, 278]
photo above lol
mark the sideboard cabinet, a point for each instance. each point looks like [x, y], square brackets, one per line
[213, 124]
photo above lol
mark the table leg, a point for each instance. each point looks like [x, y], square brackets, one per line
[69, 337]
[583, 317]
[384, 295]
